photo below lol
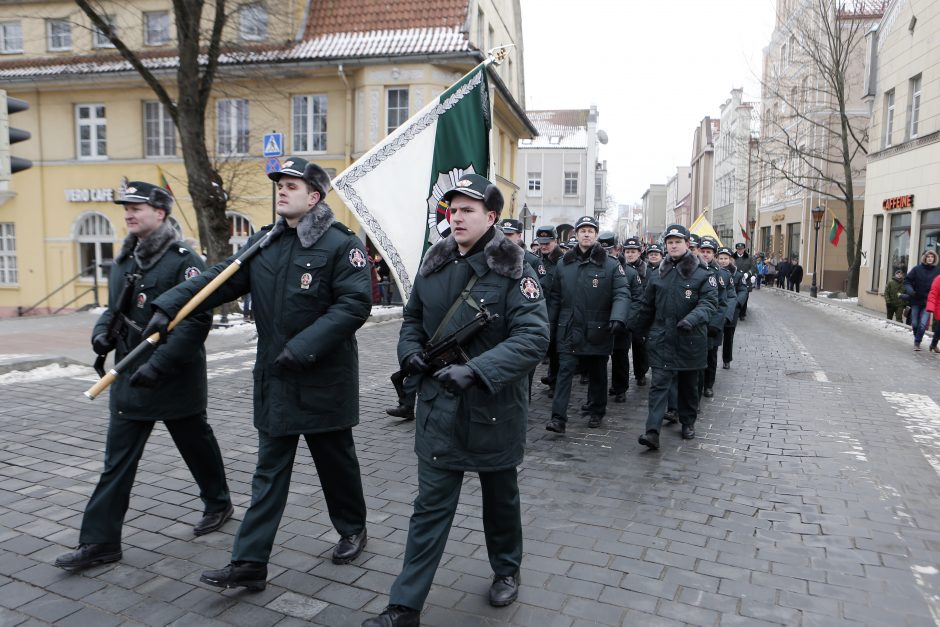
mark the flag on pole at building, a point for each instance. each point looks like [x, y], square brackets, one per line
[395, 189]
[165, 184]
[744, 232]
[835, 231]
[703, 228]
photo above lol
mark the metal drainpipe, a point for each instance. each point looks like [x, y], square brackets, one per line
[347, 148]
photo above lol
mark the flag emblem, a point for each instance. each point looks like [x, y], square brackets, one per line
[356, 258]
[191, 271]
[530, 288]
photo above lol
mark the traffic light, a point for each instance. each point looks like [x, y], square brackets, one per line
[9, 135]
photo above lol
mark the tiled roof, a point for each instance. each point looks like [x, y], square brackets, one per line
[332, 16]
[560, 128]
[358, 45]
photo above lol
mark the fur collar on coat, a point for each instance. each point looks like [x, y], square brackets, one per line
[148, 251]
[503, 257]
[597, 255]
[311, 227]
[686, 265]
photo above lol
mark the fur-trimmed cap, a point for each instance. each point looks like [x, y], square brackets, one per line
[153, 195]
[479, 187]
[301, 168]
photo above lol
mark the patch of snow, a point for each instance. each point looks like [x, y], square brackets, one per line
[45, 372]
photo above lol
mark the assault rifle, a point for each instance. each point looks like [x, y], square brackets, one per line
[447, 350]
[117, 326]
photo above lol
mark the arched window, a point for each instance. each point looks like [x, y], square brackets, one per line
[95, 238]
[242, 229]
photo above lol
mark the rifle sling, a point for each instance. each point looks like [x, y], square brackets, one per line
[464, 297]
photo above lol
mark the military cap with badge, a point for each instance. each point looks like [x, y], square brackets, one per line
[301, 168]
[479, 187]
[676, 230]
[511, 226]
[632, 243]
[142, 192]
[587, 221]
[607, 239]
[545, 234]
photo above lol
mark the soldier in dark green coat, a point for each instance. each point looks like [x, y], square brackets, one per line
[469, 417]
[169, 386]
[739, 288]
[679, 301]
[620, 352]
[716, 325]
[311, 290]
[589, 303]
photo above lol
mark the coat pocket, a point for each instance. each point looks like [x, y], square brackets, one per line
[435, 413]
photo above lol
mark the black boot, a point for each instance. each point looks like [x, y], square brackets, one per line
[395, 616]
[595, 421]
[650, 439]
[556, 425]
[688, 432]
[87, 555]
[212, 521]
[401, 411]
[250, 575]
[349, 547]
[504, 590]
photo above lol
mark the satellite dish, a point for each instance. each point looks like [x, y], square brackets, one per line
[602, 136]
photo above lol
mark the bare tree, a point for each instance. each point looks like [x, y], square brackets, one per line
[815, 125]
[198, 49]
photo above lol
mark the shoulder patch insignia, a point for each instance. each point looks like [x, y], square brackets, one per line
[530, 288]
[621, 270]
[541, 269]
[722, 281]
[712, 281]
[191, 271]
[357, 258]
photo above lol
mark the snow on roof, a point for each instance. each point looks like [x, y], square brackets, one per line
[351, 45]
[561, 128]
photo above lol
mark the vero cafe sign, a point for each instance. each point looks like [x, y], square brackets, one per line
[101, 194]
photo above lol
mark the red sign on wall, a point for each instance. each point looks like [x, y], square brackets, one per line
[898, 202]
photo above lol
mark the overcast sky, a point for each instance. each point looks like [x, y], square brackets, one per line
[654, 68]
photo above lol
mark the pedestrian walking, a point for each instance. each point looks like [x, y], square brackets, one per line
[310, 285]
[917, 286]
[783, 273]
[170, 386]
[894, 290]
[589, 303]
[678, 302]
[471, 417]
[744, 263]
[796, 276]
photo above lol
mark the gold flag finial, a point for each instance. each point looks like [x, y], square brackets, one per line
[498, 54]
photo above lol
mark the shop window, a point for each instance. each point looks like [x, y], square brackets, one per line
[793, 240]
[899, 242]
[929, 230]
[8, 275]
[877, 246]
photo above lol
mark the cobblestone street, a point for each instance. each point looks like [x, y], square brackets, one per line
[811, 496]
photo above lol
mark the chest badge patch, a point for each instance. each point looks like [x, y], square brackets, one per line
[712, 281]
[530, 288]
[721, 280]
[141, 300]
[541, 269]
[305, 279]
[595, 282]
[357, 258]
[621, 270]
[688, 293]
[191, 271]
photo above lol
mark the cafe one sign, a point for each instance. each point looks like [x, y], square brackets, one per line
[100, 194]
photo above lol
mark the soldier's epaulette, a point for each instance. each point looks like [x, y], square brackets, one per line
[343, 228]
[182, 248]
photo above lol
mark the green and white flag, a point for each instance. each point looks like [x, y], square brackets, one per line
[395, 189]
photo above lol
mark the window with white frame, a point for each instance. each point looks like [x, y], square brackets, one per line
[91, 129]
[11, 37]
[95, 238]
[481, 24]
[253, 22]
[571, 183]
[232, 127]
[8, 253]
[535, 184]
[888, 119]
[99, 38]
[914, 106]
[156, 28]
[396, 107]
[159, 131]
[58, 35]
[309, 115]
[241, 229]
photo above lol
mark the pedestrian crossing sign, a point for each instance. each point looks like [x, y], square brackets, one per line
[273, 145]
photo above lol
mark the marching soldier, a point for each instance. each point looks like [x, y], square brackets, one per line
[620, 353]
[631, 255]
[170, 386]
[512, 229]
[726, 261]
[654, 256]
[716, 325]
[549, 255]
[311, 289]
[470, 417]
[589, 303]
[743, 262]
[678, 302]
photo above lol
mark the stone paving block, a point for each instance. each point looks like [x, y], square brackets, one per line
[534, 615]
[298, 606]
[595, 612]
[17, 593]
[628, 599]
[207, 603]
[246, 615]
[50, 608]
[90, 617]
[574, 587]
[768, 611]
[344, 596]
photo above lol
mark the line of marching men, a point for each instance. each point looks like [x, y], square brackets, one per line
[672, 305]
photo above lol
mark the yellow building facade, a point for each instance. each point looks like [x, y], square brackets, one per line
[333, 90]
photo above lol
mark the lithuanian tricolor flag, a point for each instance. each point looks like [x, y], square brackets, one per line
[835, 232]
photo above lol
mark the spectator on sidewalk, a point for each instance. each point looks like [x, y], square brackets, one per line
[917, 285]
[933, 307]
[796, 276]
[783, 273]
[894, 289]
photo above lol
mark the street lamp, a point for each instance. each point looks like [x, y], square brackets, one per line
[818, 213]
[752, 223]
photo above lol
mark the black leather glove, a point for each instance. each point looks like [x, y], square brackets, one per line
[456, 377]
[147, 376]
[615, 327]
[415, 364]
[102, 344]
[715, 331]
[158, 324]
[684, 325]
[287, 360]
